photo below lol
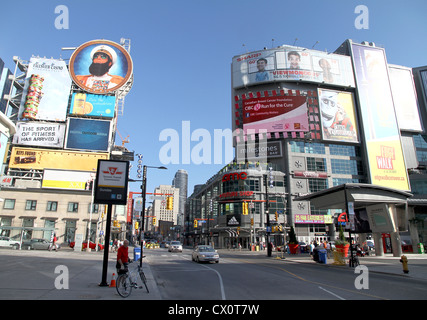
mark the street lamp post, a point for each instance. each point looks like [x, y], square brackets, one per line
[144, 193]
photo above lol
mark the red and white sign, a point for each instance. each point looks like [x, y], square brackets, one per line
[310, 174]
[276, 114]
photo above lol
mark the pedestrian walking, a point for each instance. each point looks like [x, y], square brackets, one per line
[53, 243]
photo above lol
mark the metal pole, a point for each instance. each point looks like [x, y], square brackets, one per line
[268, 218]
[143, 190]
[106, 247]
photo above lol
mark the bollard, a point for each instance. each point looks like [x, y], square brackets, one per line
[404, 261]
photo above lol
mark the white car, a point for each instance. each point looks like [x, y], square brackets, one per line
[175, 246]
[205, 254]
[7, 242]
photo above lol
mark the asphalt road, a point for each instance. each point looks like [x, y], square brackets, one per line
[253, 277]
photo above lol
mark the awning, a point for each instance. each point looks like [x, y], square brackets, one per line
[360, 193]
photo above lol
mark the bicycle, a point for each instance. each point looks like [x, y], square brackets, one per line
[127, 280]
[354, 260]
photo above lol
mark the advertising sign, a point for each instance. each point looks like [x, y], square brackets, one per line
[275, 114]
[256, 151]
[289, 63]
[312, 218]
[31, 158]
[67, 179]
[111, 182]
[100, 66]
[46, 91]
[93, 105]
[380, 218]
[338, 115]
[88, 134]
[40, 134]
[381, 132]
[404, 98]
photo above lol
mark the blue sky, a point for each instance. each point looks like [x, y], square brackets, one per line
[182, 52]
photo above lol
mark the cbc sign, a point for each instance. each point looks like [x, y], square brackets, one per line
[234, 176]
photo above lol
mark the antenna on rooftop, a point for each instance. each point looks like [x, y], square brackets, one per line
[295, 41]
[314, 44]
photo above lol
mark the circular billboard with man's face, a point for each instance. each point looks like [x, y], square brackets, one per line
[100, 66]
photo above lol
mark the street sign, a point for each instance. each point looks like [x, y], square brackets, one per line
[111, 184]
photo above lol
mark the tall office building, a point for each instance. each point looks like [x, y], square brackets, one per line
[181, 181]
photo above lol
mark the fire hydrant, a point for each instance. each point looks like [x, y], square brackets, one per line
[404, 261]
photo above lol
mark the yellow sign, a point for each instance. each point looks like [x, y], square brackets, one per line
[30, 158]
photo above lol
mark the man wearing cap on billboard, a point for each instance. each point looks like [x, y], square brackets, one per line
[103, 58]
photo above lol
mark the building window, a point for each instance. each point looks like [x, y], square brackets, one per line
[341, 166]
[315, 185]
[343, 150]
[316, 164]
[9, 204]
[31, 205]
[95, 208]
[73, 207]
[52, 206]
[302, 147]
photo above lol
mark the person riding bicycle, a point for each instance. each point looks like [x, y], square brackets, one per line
[123, 257]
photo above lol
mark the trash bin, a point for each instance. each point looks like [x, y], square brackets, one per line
[322, 256]
[420, 248]
[136, 254]
[316, 253]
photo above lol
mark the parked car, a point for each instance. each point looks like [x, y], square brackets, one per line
[8, 242]
[91, 245]
[38, 244]
[205, 254]
[175, 246]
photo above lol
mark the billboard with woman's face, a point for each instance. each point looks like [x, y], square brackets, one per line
[100, 66]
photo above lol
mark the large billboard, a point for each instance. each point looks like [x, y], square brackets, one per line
[67, 179]
[275, 114]
[338, 115]
[93, 105]
[40, 134]
[88, 134]
[40, 159]
[46, 91]
[100, 66]
[381, 131]
[404, 98]
[289, 63]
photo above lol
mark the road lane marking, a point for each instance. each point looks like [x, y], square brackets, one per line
[335, 295]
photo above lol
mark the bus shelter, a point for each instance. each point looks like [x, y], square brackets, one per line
[370, 209]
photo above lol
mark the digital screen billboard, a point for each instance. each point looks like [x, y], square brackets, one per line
[67, 179]
[88, 134]
[93, 105]
[289, 63]
[100, 66]
[381, 131]
[275, 114]
[404, 98]
[338, 115]
[46, 91]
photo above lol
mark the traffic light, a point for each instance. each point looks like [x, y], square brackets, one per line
[245, 206]
[136, 225]
[169, 203]
[154, 221]
[252, 221]
[277, 216]
[195, 223]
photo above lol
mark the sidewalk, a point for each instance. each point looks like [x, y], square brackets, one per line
[34, 276]
[387, 264]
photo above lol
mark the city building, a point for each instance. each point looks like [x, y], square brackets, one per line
[165, 207]
[308, 121]
[62, 121]
[180, 181]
